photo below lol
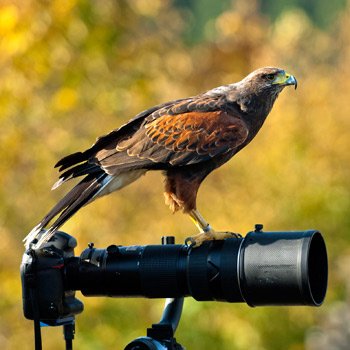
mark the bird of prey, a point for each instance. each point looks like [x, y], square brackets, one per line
[186, 139]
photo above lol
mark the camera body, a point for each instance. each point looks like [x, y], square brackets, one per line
[44, 293]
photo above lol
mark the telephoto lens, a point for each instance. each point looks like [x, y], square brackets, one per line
[263, 268]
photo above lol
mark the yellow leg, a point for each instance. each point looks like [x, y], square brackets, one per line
[207, 233]
[199, 221]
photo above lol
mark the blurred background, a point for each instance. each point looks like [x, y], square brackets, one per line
[71, 70]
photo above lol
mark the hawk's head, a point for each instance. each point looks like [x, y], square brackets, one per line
[257, 92]
[267, 80]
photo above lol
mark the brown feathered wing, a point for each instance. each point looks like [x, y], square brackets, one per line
[174, 135]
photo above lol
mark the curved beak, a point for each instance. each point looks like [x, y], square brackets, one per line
[291, 80]
[285, 79]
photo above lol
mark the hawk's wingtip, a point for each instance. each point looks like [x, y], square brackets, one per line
[57, 183]
[33, 234]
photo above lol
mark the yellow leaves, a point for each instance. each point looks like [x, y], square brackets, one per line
[65, 99]
[229, 23]
[14, 43]
[77, 31]
[8, 18]
[12, 39]
[179, 63]
[62, 8]
[291, 26]
[60, 56]
[147, 8]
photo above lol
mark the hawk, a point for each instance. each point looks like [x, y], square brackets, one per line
[186, 139]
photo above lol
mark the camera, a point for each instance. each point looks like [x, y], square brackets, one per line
[262, 268]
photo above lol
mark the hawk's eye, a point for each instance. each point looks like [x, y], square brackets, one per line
[270, 77]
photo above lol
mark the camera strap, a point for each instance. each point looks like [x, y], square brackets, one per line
[35, 304]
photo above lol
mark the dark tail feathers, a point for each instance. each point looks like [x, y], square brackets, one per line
[76, 198]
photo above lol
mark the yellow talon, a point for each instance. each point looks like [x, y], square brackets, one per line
[206, 231]
[211, 235]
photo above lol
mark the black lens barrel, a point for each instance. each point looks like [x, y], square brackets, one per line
[263, 268]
